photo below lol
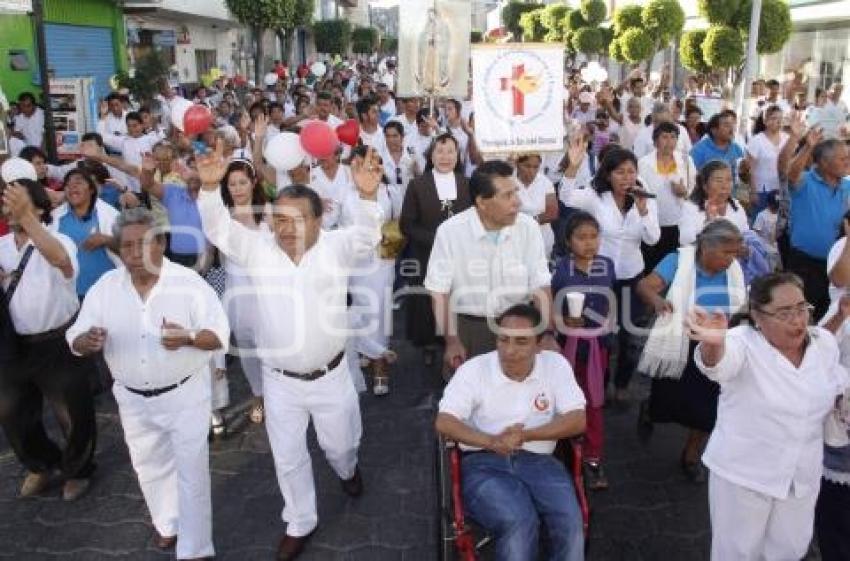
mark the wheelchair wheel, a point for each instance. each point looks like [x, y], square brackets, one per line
[445, 526]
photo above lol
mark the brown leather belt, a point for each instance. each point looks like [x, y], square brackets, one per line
[57, 333]
[315, 374]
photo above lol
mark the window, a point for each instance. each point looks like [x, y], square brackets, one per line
[204, 60]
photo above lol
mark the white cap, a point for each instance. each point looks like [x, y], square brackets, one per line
[17, 168]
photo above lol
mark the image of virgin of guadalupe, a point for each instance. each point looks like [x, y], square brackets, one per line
[432, 72]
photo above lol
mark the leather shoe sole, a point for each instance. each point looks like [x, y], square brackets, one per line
[164, 543]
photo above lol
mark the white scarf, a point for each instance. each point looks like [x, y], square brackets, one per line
[665, 353]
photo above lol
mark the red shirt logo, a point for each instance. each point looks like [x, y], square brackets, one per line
[541, 402]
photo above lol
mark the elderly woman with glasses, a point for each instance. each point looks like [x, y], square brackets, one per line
[779, 378]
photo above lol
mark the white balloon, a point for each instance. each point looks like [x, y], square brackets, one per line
[284, 152]
[17, 168]
[178, 110]
[319, 69]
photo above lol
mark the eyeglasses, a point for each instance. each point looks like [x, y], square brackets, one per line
[791, 312]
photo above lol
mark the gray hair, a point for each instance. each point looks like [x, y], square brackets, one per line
[660, 107]
[825, 150]
[718, 232]
[138, 216]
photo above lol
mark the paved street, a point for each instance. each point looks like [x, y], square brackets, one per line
[649, 513]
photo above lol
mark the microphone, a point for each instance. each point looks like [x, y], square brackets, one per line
[635, 192]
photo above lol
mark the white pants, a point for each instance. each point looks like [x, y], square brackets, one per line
[749, 526]
[252, 366]
[167, 438]
[331, 401]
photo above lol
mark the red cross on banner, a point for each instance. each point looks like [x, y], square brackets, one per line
[518, 95]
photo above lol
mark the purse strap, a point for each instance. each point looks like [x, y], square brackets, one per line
[18, 273]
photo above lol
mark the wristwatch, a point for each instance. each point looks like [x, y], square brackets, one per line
[193, 334]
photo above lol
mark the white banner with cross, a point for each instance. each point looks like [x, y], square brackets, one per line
[518, 97]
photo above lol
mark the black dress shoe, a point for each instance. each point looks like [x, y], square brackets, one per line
[353, 487]
[291, 547]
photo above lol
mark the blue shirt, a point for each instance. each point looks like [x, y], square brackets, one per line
[110, 195]
[187, 235]
[712, 291]
[706, 150]
[569, 278]
[816, 212]
[92, 264]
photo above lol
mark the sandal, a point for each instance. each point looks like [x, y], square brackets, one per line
[257, 413]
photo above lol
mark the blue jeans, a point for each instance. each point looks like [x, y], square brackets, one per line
[511, 496]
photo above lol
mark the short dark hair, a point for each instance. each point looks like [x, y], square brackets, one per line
[394, 125]
[481, 183]
[30, 152]
[576, 219]
[665, 127]
[298, 191]
[635, 80]
[27, 96]
[772, 83]
[112, 96]
[457, 105]
[275, 105]
[95, 169]
[525, 311]
[363, 105]
[40, 200]
[133, 116]
[422, 115]
[325, 95]
[87, 177]
[691, 109]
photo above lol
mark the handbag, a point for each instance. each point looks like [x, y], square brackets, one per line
[10, 348]
[392, 240]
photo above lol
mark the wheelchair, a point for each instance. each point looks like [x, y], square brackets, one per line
[460, 538]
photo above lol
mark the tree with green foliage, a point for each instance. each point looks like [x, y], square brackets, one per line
[476, 36]
[364, 40]
[718, 12]
[260, 15]
[690, 50]
[332, 36]
[723, 48]
[151, 71]
[588, 40]
[389, 44]
[532, 25]
[552, 19]
[302, 16]
[775, 25]
[636, 44]
[511, 14]
[626, 17]
[616, 52]
[573, 20]
[593, 11]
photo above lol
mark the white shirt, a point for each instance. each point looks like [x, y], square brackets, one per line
[765, 155]
[44, 299]
[112, 126]
[410, 127]
[765, 226]
[487, 277]
[643, 144]
[132, 149]
[770, 415]
[374, 139]
[693, 220]
[31, 127]
[389, 107]
[133, 347]
[669, 205]
[399, 174]
[302, 323]
[621, 234]
[533, 203]
[420, 145]
[483, 397]
[446, 185]
[462, 141]
[629, 132]
[335, 190]
[646, 104]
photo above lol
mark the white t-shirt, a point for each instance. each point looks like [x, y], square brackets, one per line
[482, 396]
[765, 155]
[334, 190]
[765, 226]
[533, 203]
[31, 127]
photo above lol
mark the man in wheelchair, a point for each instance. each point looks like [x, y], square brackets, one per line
[507, 409]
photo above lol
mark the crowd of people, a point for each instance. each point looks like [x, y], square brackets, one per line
[706, 252]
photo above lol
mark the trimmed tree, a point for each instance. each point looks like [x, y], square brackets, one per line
[332, 36]
[511, 14]
[626, 17]
[593, 11]
[364, 40]
[616, 52]
[722, 48]
[260, 15]
[690, 50]
[552, 19]
[775, 25]
[574, 20]
[719, 12]
[476, 36]
[532, 26]
[588, 40]
[636, 44]
[302, 16]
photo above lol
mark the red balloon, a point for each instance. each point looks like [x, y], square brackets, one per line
[349, 132]
[197, 119]
[318, 139]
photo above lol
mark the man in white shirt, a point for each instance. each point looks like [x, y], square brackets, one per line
[386, 104]
[157, 324]
[629, 121]
[113, 121]
[408, 119]
[484, 260]
[133, 146]
[302, 277]
[325, 109]
[371, 133]
[637, 86]
[29, 122]
[507, 409]
[39, 283]
[419, 141]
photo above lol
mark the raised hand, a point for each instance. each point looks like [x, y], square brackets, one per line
[148, 162]
[261, 125]
[17, 203]
[798, 123]
[212, 167]
[576, 150]
[708, 327]
[367, 174]
[814, 136]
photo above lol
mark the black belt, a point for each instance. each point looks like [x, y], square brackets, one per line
[472, 318]
[315, 374]
[158, 391]
[57, 333]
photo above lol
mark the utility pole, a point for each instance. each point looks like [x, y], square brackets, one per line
[41, 47]
[750, 67]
